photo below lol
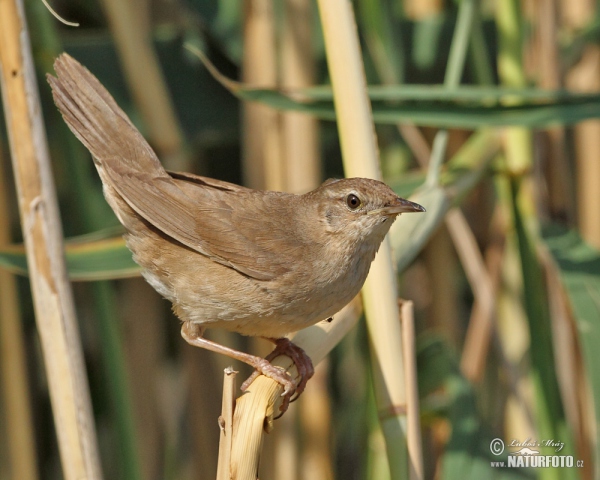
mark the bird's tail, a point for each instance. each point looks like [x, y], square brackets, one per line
[95, 118]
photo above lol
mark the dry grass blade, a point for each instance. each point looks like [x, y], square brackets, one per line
[55, 313]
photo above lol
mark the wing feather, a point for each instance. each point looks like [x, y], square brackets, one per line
[211, 227]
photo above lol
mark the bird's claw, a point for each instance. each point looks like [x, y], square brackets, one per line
[303, 363]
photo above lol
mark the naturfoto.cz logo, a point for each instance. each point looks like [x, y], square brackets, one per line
[528, 455]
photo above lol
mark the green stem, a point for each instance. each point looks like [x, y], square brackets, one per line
[454, 69]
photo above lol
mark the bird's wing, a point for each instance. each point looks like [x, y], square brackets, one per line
[215, 222]
[195, 180]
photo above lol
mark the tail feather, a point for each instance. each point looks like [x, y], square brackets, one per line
[95, 118]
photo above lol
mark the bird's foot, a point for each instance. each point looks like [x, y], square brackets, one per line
[284, 346]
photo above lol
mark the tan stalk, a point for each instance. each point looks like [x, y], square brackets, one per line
[415, 451]
[53, 301]
[315, 416]
[255, 409]
[15, 390]
[300, 131]
[262, 166]
[302, 172]
[559, 191]
[284, 440]
[130, 26]
[585, 77]
[422, 9]
[482, 324]
[360, 154]
[474, 266]
[416, 141]
[226, 424]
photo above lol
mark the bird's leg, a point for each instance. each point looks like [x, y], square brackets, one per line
[192, 333]
[283, 346]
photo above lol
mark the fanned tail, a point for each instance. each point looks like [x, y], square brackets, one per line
[95, 118]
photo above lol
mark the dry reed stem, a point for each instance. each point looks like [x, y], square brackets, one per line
[415, 452]
[53, 302]
[265, 155]
[302, 162]
[559, 190]
[315, 419]
[478, 277]
[482, 324]
[130, 25]
[262, 147]
[15, 389]
[226, 424]
[254, 410]
[360, 155]
[585, 77]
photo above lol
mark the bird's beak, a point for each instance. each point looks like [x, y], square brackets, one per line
[400, 205]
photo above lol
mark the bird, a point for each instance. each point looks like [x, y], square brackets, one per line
[259, 263]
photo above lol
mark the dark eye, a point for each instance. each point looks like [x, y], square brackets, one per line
[352, 201]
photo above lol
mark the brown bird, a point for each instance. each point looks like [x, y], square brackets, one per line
[255, 262]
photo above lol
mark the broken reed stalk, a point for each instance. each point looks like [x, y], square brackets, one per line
[226, 424]
[53, 302]
[415, 451]
[254, 410]
[360, 156]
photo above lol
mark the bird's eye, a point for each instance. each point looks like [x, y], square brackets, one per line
[353, 201]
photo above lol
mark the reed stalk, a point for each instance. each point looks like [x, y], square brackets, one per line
[22, 459]
[226, 424]
[262, 144]
[360, 155]
[585, 77]
[92, 211]
[53, 302]
[265, 161]
[415, 450]
[301, 163]
[255, 409]
[301, 154]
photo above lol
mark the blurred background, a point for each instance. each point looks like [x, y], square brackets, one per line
[506, 285]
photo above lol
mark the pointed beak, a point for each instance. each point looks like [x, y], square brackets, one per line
[400, 205]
